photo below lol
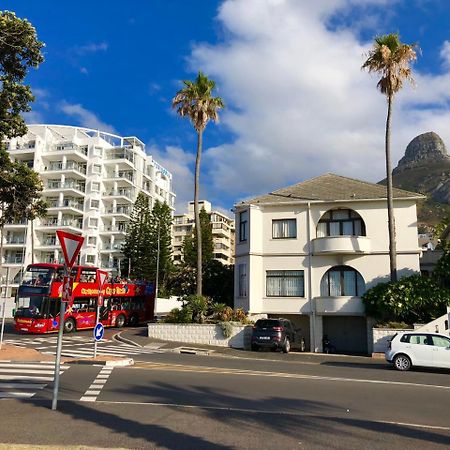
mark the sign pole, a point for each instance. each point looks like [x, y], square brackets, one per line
[62, 311]
[71, 245]
[96, 323]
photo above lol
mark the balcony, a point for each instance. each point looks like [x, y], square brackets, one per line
[120, 155]
[20, 224]
[116, 229]
[345, 306]
[341, 245]
[14, 241]
[22, 148]
[48, 243]
[76, 224]
[69, 204]
[13, 259]
[75, 168]
[124, 194]
[112, 248]
[123, 177]
[121, 211]
[72, 186]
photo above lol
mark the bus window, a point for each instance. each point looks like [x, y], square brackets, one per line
[116, 303]
[54, 307]
[38, 276]
[92, 304]
[88, 275]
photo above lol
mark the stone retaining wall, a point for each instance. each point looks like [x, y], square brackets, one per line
[209, 334]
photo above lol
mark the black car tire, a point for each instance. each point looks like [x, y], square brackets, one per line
[286, 346]
[69, 326]
[255, 347]
[134, 320]
[402, 362]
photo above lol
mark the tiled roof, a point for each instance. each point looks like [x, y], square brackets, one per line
[330, 187]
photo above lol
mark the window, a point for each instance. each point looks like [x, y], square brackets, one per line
[243, 219]
[93, 222]
[96, 168]
[440, 341]
[342, 281]
[284, 229]
[95, 186]
[285, 283]
[417, 339]
[90, 259]
[341, 222]
[97, 151]
[95, 204]
[242, 273]
[92, 240]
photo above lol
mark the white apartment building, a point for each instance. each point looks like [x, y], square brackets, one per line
[309, 251]
[222, 231]
[91, 180]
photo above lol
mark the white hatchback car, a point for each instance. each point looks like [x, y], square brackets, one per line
[411, 348]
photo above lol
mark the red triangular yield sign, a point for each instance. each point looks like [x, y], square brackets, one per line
[71, 246]
[101, 278]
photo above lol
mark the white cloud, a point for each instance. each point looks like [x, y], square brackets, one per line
[91, 48]
[85, 117]
[445, 53]
[179, 163]
[299, 103]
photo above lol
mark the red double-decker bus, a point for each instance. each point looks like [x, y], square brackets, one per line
[38, 300]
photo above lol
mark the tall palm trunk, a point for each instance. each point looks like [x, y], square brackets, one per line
[390, 202]
[197, 214]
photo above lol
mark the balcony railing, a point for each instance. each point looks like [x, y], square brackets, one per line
[113, 247]
[120, 153]
[69, 146]
[68, 184]
[62, 223]
[119, 210]
[66, 204]
[14, 260]
[70, 165]
[15, 240]
[120, 193]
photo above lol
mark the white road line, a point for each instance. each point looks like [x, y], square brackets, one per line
[16, 394]
[41, 372]
[24, 377]
[22, 386]
[97, 385]
[31, 366]
[88, 399]
[92, 393]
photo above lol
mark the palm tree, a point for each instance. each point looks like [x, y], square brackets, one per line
[391, 59]
[196, 102]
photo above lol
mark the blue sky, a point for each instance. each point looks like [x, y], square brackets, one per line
[298, 104]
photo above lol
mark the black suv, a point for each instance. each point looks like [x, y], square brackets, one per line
[274, 333]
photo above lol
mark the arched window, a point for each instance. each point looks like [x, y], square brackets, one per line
[341, 222]
[342, 281]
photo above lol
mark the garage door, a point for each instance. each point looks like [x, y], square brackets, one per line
[347, 334]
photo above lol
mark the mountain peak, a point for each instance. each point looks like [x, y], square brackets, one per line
[425, 148]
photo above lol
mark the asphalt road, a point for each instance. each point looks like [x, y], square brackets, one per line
[180, 401]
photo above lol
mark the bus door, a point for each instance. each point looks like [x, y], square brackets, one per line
[105, 312]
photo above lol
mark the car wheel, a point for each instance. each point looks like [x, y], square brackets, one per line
[69, 326]
[402, 362]
[255, 348]
[120, 321]
[286, 346]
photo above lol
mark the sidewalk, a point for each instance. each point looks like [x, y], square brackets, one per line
[139, 337]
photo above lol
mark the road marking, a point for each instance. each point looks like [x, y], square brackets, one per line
[16, 394]
[97, 385]
[205, 369]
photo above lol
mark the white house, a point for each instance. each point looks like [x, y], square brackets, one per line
[309, 251]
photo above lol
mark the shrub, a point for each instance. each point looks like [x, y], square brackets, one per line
[227, 329]
[178, 315]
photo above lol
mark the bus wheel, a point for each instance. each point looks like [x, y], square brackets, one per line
[133, 321]
[69, 326]
[120, 321]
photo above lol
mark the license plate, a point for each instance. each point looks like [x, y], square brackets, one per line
[264, 338]
[24, 329]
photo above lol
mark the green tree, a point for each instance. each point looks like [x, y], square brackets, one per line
[190, 243]
[196, 102]
[219, 282]
[138, 237]
[391, 59]
[160, 235]
[20, 186]
[414, 299]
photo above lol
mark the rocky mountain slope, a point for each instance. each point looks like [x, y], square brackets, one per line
[425, 168]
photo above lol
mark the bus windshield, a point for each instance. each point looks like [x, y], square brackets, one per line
[30, 307]
[38, 276]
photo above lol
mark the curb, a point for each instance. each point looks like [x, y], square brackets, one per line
[117, 363]
[120, 338]
[27, 361]
[192, 351]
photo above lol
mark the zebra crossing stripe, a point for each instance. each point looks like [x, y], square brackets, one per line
[97, 385]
